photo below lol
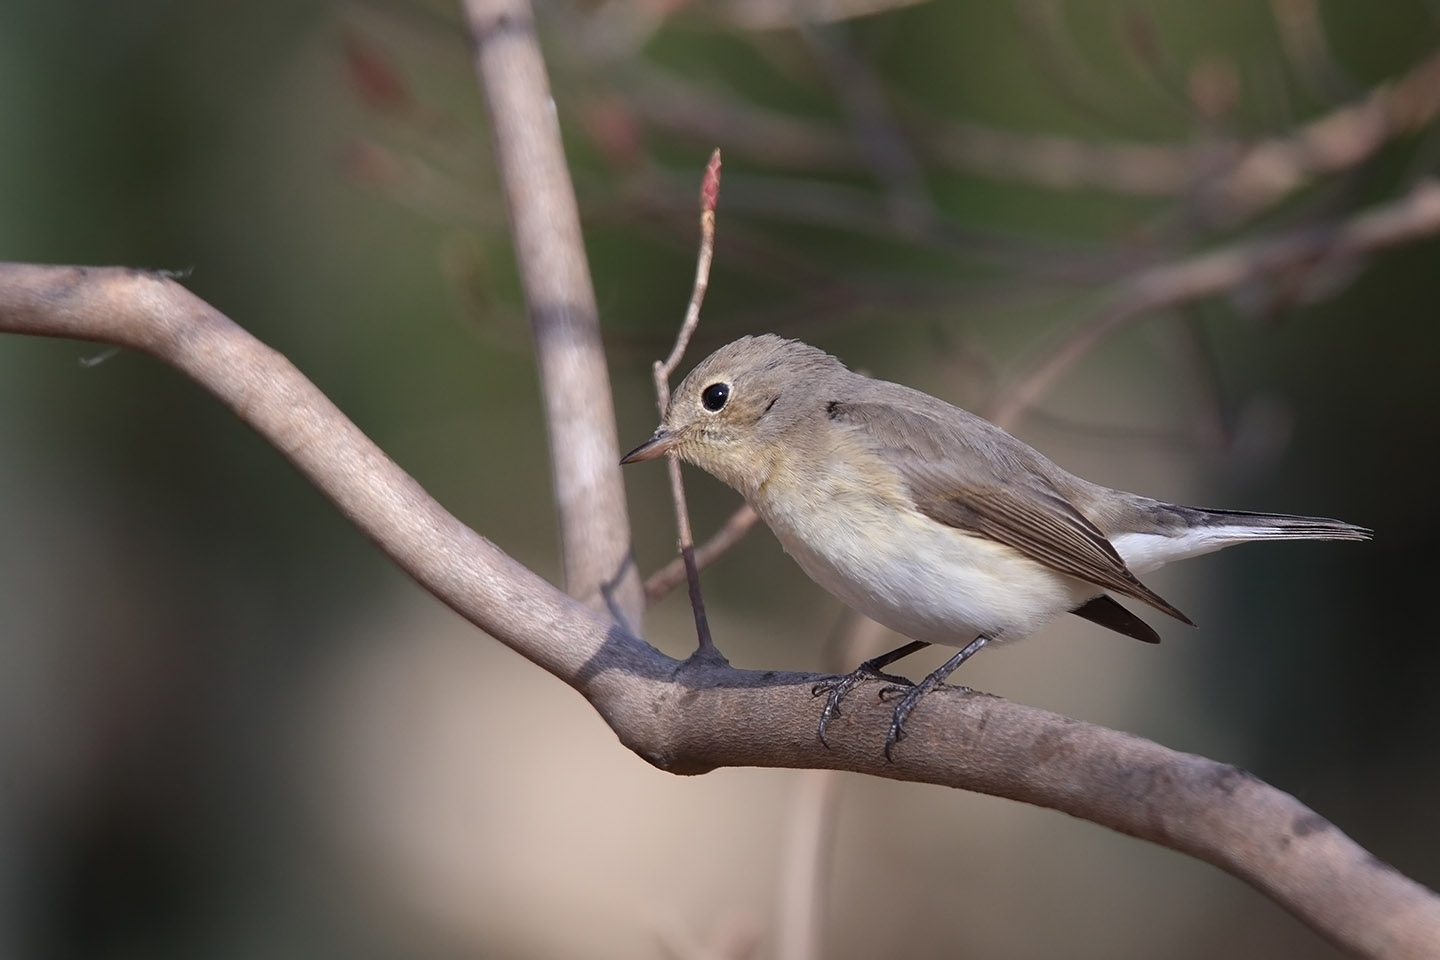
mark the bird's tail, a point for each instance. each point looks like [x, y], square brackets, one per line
[1242, 525]
[1178, 532]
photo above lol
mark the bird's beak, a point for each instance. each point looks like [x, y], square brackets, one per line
[661, 442]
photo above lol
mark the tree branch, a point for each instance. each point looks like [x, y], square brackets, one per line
[731, 532]
[691, 718]
[579, 411]
[663, 370]
[1417, 214]
[1241, 176]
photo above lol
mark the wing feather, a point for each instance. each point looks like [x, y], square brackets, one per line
[965, 472]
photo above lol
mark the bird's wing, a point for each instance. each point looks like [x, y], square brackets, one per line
[967, 473]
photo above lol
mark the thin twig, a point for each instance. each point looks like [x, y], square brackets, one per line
[1417, 214]
[731, 532]
[709, 194]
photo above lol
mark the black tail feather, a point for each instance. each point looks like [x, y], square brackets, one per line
[1107, 612]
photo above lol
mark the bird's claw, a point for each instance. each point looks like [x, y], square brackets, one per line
[909, 696]
[836, 689]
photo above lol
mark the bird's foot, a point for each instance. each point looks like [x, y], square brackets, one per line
[909, 695]
[836, 688]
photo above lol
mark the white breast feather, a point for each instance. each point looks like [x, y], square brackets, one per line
[916, 576]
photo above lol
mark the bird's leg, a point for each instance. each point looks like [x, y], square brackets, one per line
[838, 687]
[912, 692]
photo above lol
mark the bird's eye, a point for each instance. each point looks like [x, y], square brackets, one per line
[714, 396]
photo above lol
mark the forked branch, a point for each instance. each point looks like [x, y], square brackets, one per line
[693, 717]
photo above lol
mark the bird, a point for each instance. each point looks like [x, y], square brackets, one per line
[929, 519]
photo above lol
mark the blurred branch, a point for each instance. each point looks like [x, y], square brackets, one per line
[805, 866]
[780, 14]
[671, 575]
[1241, 176]
[693, 717]
[1272, 168]
[1143, 41]
[668, 100]
[732, 935]
[550, 253]
[808, 842]
[1311, 249]
[1058, 61]
[873, 130]
[1302, 36]
[859, 210]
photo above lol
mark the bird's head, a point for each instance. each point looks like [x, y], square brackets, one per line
[743, 407]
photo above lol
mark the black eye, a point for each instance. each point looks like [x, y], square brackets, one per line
[714, 396]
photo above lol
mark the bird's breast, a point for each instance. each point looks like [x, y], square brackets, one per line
[854, 530]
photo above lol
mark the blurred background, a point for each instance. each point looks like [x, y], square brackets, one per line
[229, 728]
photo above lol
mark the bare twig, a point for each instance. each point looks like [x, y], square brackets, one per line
[694, 717]
[579, 411]
[731, 532]
[1416, 214]
[664, 369]
[709, 195]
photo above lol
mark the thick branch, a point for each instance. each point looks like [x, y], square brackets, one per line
[579, 412]
[693, 719]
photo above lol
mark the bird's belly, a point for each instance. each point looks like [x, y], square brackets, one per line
[918, 577]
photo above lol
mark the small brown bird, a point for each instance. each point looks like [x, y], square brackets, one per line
[926, 518]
